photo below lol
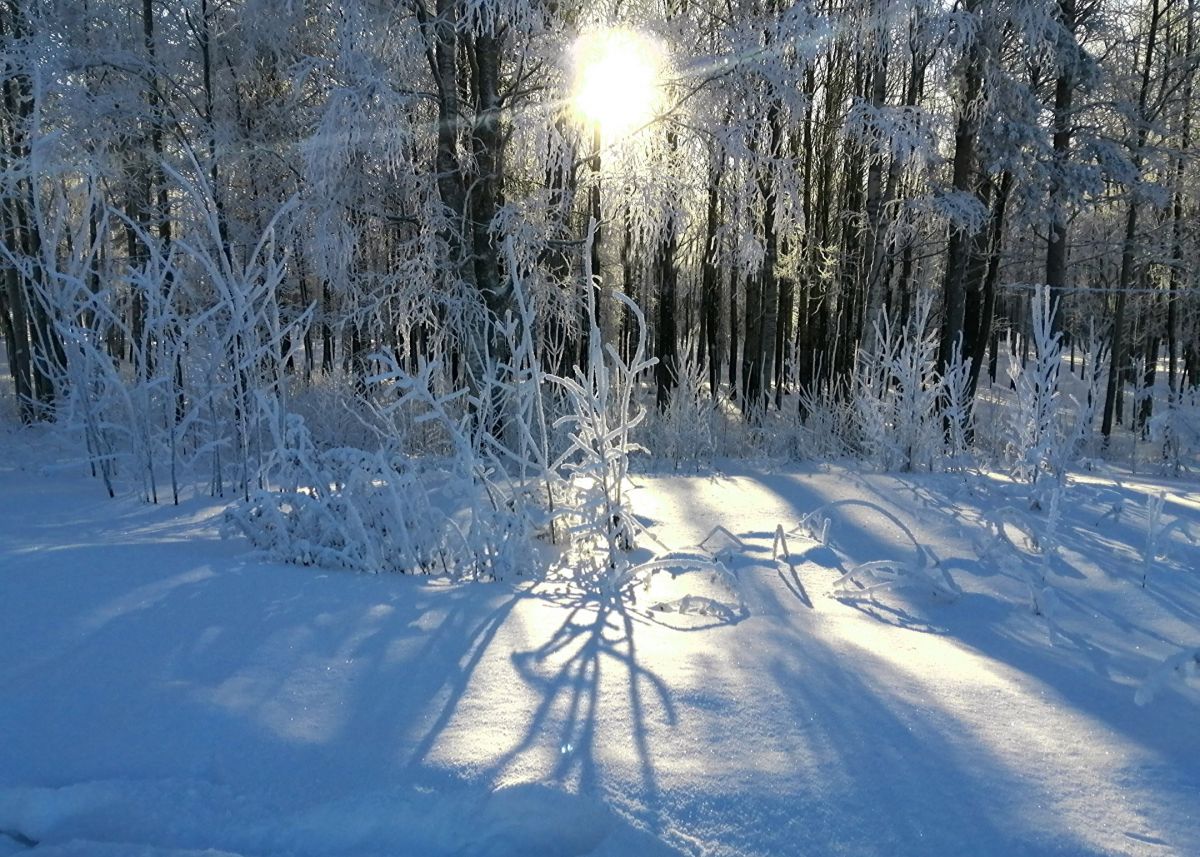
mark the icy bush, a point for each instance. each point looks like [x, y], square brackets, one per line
[347, 508]
[600, 421]
[523, 394]
[1177, 428]
[460, 482]
[695, 581]
[387, 510]
[824, 422]
[1082, 439]
[814, 526]
[1041, 437]
[1033, 421]
[334, 413]
[957, 414]
[896, 394]
[868, 578]
[686, 430]
[1158, 530]
[688, 584]
[163, 392]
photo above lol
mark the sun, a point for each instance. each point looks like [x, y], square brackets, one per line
[617, 85]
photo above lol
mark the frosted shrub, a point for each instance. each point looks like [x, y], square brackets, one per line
[957, 413]
[686, 431]
[868, 578]
[492, 516]
[169, 361]
[483, 489]
[527, 450]
[115, 411]
[344, 508]
[333, 412]
[823, 422]
[601, 417]
[1082, 440]
[455, 514]
[895, 394]
[1176, 427]
[1158, 532]
[1039, 441]
[870, 401]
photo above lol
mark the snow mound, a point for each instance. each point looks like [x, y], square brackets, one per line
[1180, 667]
[189, 818]
[688, 583]
[694, 582]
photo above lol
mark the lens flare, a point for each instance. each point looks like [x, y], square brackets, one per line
[617, 80]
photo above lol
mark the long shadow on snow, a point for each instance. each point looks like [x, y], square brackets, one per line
[1093, 692]
[596, 635]
[234, 682]
[259, 669]
[1157, 727]
[855, 538]
[326, 672]
[889, 775]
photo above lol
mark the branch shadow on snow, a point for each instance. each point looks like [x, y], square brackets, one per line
[792, 582]
[892, 614]
[1049, 652]
[256, 672]
[596, 638]
[877, 752]
[326, 690]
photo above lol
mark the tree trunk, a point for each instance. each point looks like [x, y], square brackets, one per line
[665, 372]
[1177, 212]
[1056, 244]
[487, 188]
[954, 285]
[709, 276]
[1118, 356]
[984, 332]
[733, 336]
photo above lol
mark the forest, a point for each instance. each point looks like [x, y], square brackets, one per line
[187, 182]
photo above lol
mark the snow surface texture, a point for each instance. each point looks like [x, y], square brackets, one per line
[164, 694]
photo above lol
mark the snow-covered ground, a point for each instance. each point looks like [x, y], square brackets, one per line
[163, 692]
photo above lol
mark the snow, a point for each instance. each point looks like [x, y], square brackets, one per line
[167, 693]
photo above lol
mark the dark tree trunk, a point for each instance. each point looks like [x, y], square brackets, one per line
[487, 188]
[954, 285]
[733, 336]
[665, 372]
[1118, 357]
[1056, 244]
[985, 332]
[709, 291]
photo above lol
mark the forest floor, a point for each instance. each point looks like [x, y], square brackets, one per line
[164, 692]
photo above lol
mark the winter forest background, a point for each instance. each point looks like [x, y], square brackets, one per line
[215, 208]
